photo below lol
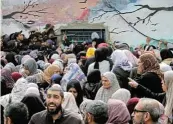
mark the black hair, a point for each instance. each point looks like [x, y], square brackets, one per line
[100, 55]
[76, 84]
[17, 112]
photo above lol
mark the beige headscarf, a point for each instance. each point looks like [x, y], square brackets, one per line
[49, 71]
[168, 77]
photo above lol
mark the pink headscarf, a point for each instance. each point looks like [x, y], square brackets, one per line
[117, 112]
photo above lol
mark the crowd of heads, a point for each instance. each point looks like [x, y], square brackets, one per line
[91, 83]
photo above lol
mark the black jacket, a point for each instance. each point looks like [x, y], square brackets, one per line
[44, 118]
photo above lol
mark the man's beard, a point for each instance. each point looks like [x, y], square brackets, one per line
[54, 111]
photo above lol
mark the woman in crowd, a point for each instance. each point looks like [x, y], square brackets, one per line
[117, 112]
[101, 61]
[29, 67]
[109, 86]
[122, 67]
[166, 98]
[150, 75]
[93, 84]
[33, 102]
[122, 94]
[74, 87]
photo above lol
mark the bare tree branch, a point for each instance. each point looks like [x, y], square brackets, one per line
[24, 11]
[29, 5]
[113, 29]
[120, 32]
[155, 9]
[83, 1]
[26, 26]
[100, 16]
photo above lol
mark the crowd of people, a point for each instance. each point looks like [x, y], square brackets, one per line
[44, 81]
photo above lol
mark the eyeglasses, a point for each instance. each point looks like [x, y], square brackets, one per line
[135, 111]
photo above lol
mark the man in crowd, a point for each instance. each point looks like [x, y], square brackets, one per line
[16, 113]
[54, 113]
[96, 112]
[147, 111]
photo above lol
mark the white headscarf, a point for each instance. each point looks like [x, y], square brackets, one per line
[168, 77]
[16, 94]
[94, 35]
[32, 85]
[32, 90]
[104, 94]
[120, 59]
[131, 58]
[164, 67]
[69, 103]
[11, 67]
[122, 94]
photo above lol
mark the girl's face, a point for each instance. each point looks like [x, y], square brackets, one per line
[164, 86]
[73, 91]
[106, 83]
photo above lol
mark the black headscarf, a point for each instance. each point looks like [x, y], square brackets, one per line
[34, 104]
[93, 84]
[76, 84]
[10, 57]
[165, 54]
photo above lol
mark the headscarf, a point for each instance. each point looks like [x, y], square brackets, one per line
[122, 94]
[70, 103]
[164, 67]
[76, 85]
[165, 54]
[32, 90]
[131, 104]
[94, 35]
[33, 103]
[31, 65]
[104, 94]
[56, 78]
[25, 58]
[55, 56]
[49, 71]
[32, 85]
[41, 64]
[131, 58]
[83, 105]
[117, 112]
[93, 84]
[120, 59]
[10, 57]
[73, 72]
[168, 78]
[3, 62]
[59, 62]
[34, 54]
[90, 52]
[11, 67]
[16, 76]
[19, 90]
[8, 78]
[150, 64]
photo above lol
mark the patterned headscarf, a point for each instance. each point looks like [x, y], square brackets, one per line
[150, 64]
[104, 94]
